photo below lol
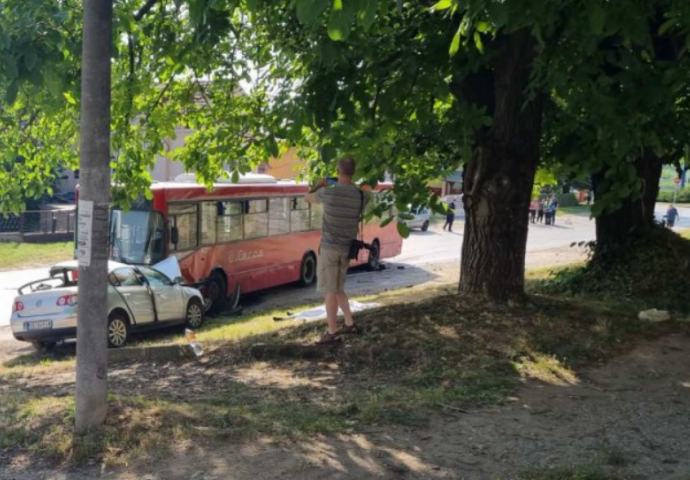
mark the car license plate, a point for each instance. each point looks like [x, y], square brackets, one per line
[38, 325]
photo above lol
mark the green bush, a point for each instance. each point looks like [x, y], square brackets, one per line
[567, 200]
[683, 196]
[652, 269]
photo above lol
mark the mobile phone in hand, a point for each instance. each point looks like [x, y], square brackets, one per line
[331, 181]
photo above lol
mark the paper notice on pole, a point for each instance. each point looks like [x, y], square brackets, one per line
[85, 233]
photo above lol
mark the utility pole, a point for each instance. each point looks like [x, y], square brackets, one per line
[94, 203]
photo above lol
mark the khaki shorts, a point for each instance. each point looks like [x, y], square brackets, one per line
[331, 270]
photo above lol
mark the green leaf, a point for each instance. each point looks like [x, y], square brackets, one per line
[11, 92]
[340, 22]
[386, 221]
[68, 96]
[403, 230]
[667, 25]
[30, 58]
[597, 19]
[483, 27]
[235, 176]
[442, 5]
[11, 67]
[308, 11]
[455, 44]
[367, 16]
[400, 5]
[478, 42]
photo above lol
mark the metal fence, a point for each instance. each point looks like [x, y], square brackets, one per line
[39, 225]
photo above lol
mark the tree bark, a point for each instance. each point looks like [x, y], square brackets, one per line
[635, 214]
[94, 191]
[498, 182]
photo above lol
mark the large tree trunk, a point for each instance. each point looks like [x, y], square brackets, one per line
[635, 214]
[499, 178]
[94, 196]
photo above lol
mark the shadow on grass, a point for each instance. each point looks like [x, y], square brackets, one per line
[412, 361]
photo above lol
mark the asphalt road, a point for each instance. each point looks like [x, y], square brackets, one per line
[424, 253]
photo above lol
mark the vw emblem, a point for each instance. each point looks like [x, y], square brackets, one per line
[39, 303]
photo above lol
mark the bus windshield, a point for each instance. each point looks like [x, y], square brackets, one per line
[137, 237]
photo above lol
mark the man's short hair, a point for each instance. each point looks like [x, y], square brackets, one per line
[347, 166]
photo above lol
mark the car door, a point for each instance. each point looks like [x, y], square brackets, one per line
[135, 294]
[167, 295]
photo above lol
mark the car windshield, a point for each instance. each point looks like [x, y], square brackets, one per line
[137, 237]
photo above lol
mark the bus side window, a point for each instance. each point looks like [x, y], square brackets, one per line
[300, 216]
[256, 218]
[209, 214]
[184, 217]
[229, 221]
[316, 216]
[278, 216]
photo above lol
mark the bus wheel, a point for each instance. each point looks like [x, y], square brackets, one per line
[307, 273]
[217, 292]
[374, 256]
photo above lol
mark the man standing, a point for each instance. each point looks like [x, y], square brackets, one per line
[671, 216]
[342, 209]
[450, 216]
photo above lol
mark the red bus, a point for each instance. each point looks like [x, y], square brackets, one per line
[237, 238]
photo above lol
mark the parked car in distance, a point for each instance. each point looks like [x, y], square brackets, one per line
[422, 217]
[139, 298]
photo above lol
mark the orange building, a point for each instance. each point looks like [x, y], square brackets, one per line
[285, 167]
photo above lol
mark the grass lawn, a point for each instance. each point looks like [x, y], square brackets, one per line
[582, 210]
[438, 351]
[15, 256]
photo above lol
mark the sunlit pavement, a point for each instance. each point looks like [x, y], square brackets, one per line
[421, 249]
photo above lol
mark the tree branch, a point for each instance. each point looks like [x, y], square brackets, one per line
[145, 8]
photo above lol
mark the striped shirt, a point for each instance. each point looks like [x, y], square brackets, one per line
[342, 206]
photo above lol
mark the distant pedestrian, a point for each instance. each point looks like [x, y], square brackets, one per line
[553, 207]
[450, 216]
[588, 198]
[533, 207]
[540, 212]
[671, 216]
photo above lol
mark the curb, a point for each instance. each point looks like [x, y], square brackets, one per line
[159, 353]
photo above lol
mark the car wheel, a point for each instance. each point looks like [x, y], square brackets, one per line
[195, 314]
[217, 292]
[118, 330]
[374, 256]
[425, 226]
[308, 270]
[42, 346]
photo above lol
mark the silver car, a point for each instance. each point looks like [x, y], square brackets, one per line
[421, 218]
[139, 298]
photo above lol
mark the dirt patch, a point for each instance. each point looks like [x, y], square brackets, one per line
[631, 417]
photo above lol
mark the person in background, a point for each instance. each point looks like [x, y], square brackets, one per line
[343, 205]
[533, 207]
[588, 198]
[450, 216]
[553, 207]
[540, 212]
[671, 216]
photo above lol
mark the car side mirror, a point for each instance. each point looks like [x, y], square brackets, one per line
[179, 280]
[174, 236]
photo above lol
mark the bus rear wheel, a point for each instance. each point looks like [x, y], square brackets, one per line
[307, 273]
[217, 292]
